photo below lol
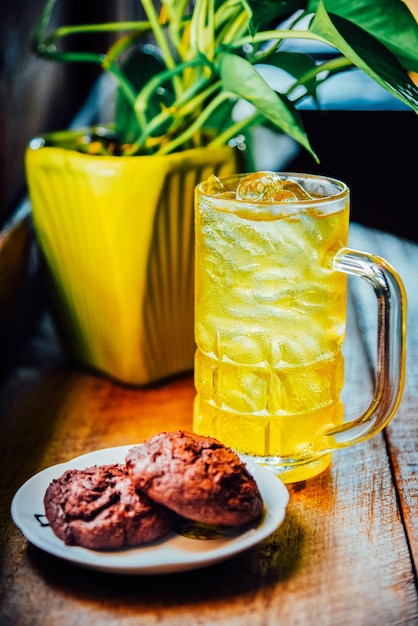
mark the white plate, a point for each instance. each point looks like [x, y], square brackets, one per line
[175, 552]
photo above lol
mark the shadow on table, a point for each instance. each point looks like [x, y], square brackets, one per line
[263, 566]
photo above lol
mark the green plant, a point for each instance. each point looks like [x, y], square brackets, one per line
[181, 70]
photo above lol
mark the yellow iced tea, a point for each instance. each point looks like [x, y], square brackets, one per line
[270, 321]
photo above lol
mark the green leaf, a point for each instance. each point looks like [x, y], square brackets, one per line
[367, 53]
[299, 65]
[294, 63]
[241, 79]
[308, 74]
[390, 21]
[269, 13]
[220, 119]
[142, 64]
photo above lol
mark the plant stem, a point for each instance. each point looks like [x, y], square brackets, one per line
[234, 25]
[171, 146]
[276, 35]
[236, 129]
[329, 67]
[42, 24]
[178, 111]
[124, 83]
[161, 41]
[110, 27]
[155, 82]
[176, 10]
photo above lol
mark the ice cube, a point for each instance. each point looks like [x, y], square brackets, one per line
[214, 185]
[259, 187]
[297, 190]
[284, 195]
[269, 187]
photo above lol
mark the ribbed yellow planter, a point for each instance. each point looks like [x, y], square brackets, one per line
[117, 236]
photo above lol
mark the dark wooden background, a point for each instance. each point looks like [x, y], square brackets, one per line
[36, 95]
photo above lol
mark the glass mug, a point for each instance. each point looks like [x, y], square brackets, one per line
[271, 273]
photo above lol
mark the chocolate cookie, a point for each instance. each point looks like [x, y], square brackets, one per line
[99, 508]
[196, 476]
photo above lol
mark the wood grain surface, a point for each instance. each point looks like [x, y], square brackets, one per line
[346, 553]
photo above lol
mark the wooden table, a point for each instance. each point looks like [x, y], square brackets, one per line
[346, 553]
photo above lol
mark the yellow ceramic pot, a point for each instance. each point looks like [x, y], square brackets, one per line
[117, 236]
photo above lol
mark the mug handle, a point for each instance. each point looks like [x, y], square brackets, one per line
[391, 329]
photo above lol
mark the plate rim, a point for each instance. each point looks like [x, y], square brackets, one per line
[275, 512]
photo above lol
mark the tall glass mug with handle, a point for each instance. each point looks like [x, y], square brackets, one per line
[270, 317]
